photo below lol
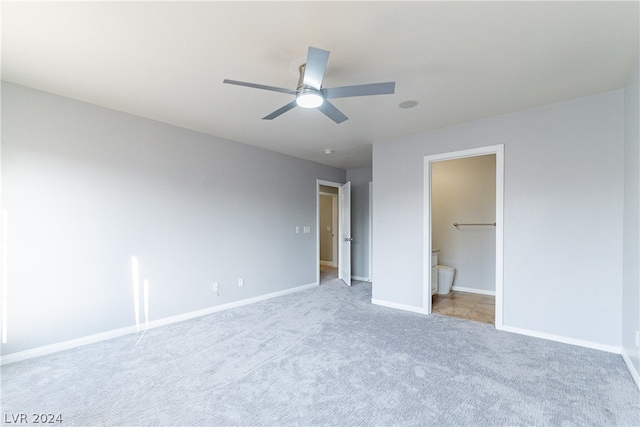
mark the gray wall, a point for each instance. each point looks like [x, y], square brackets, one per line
[87, 188]
[464, 191]
[360, 221]
[631, 284]
[562, 215]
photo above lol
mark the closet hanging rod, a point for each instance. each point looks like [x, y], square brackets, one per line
[455, 224]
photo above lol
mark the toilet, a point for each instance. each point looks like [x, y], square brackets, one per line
[445, 279]
[441, 275]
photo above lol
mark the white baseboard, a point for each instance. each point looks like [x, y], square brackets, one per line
[632, 369]
[360, 279]
[222, 307]
[473, 290]
[565, 340]
[329, 263]
[67, 345]
[397, 306]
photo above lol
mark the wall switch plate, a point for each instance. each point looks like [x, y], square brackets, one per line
[216, 287]
[307, 229]
[240, 282]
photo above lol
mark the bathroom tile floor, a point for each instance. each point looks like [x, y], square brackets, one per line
[465, 305]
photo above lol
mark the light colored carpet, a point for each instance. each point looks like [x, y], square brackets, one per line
[325, 356]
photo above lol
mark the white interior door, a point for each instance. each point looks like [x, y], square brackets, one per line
[344, 246]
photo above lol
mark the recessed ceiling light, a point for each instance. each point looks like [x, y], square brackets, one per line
[408, 104]
[328, 151]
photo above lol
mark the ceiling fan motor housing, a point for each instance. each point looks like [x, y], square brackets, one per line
[307, 97]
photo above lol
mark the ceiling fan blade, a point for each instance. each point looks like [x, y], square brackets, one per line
[360, 90]
[280, 111]
[257, 86]
[315, 67]
[332, 112]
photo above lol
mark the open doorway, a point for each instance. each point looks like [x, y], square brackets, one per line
[334, 230]
[463, 194]
[328, 232]
[463, 231]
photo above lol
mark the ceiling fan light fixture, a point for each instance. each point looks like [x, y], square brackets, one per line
[309, 98]
[309, 92]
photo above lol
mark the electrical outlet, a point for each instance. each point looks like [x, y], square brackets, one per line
[216, 288]
[240, 282]
[297, 229]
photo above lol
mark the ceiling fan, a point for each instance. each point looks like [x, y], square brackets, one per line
[311, 94]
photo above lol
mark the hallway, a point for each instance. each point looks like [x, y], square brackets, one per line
[328, 272]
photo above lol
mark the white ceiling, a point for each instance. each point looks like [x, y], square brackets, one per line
[461, 60]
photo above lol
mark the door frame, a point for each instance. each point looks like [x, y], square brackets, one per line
[320, 182]
[370, 231]
[498, 150]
